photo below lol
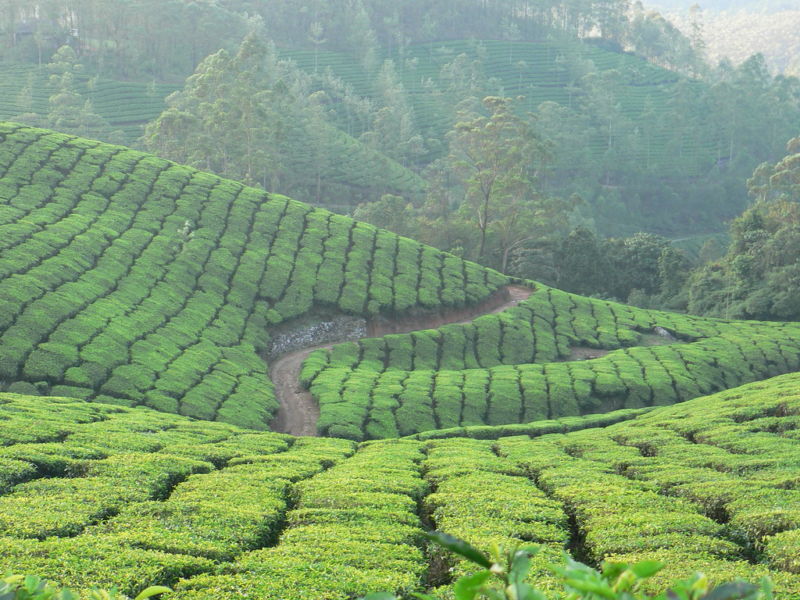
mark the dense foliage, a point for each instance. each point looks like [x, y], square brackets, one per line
[254, 117]
[504, 572]
[644, 147]
[656, 148]
[174, 35]
[759, 277]
[31, 587]
[62, 95]
[706, 485]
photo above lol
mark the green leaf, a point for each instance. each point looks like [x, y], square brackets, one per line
[646, 568]
[599, 588]
[153, 591]
[612, 570]
[520, 565]
[523, 591]
[467, 587]
[738, 590]
[379, 596]
[460, 547]
[33, 584]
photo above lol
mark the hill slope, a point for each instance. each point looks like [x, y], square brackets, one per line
[529, 363]
[127, 106]
[130, 280]
[135, 497]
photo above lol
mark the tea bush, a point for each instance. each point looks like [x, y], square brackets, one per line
[130, 280]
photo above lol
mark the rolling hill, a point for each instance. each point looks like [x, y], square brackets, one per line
[545, 71]
[133, 281]
[130, 283]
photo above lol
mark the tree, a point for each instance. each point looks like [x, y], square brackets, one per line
[391, 212]
[227, 119]
[68, 110]
[581, 263]
[760, 275]
[497, 157]
[780, 181]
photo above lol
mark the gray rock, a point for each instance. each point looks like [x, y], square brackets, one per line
[660, 331]
[334, 330]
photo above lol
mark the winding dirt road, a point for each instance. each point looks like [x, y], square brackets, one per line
[298, 412]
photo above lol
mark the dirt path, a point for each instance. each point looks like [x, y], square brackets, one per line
[298, 412]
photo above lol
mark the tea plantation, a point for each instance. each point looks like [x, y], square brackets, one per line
[131, 280]
[129, 283]
[126, 105]
[543, 71]
[97, 494]
[516, 367]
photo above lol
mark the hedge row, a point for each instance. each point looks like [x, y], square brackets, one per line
[130, 280]
[707, 485]
[544, 328]
[354, 530]
[130, 497]
[485, 499]
[401, 385]
[141, 497]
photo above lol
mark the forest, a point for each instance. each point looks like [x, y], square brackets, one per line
[367, 300]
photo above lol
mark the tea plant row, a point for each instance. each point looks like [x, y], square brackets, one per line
[131, 496]
[519, 366]
[101, 495]
[705, 485]
[130, 280]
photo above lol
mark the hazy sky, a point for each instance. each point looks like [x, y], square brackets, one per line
[726, 4]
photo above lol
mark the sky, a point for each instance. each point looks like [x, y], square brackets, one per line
[757, 5]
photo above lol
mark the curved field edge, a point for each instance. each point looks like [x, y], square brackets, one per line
[131, 280]
[219, 511]
[553, 355]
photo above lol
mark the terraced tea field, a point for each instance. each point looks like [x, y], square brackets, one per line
[96, 494]
[521, 365]
[128, 283]
[129, 280]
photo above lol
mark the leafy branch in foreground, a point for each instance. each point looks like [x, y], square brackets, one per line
[504, 572]
[29, 587]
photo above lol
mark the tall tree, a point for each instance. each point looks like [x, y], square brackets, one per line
[498, 156]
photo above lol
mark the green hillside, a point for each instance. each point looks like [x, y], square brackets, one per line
[521, 365]
[544, 71]
[128, 279]
[95, 494]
